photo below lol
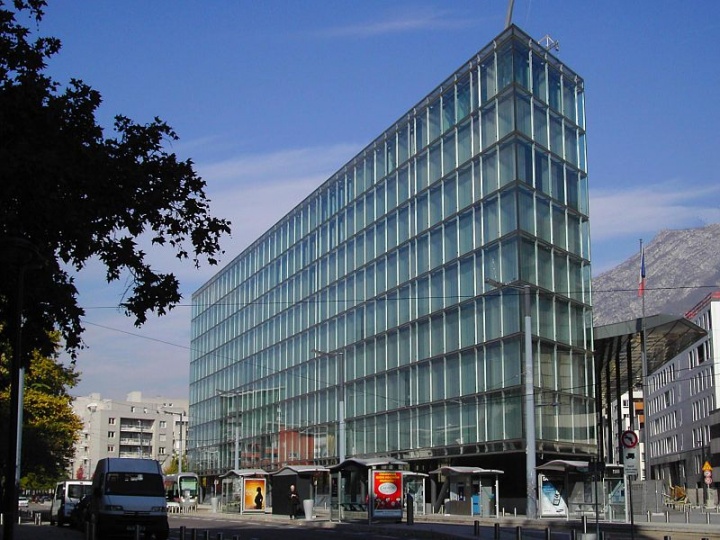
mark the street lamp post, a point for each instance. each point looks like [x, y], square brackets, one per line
[530, 439]
[702, 465]
[91, 407]
[341, 399]
[236, 395]
[19, 255]
[181, 414]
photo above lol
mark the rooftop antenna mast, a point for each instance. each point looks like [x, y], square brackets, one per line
[549, 43]
[508, 17]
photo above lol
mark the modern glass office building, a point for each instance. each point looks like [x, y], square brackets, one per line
[375, 289]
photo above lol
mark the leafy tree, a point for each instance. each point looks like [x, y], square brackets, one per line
[79, 195]
[172, 467]
[50, 427]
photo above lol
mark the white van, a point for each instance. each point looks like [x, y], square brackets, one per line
[127, 492]
[67, 495]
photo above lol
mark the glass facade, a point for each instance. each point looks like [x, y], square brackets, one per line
[385, 267]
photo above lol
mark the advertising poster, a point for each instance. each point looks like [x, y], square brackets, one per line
[552, 502]
[387, 494]
[254, 495]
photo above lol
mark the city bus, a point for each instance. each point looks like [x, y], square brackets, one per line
[183, 488]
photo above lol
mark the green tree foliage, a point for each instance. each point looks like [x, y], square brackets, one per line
[80, 196]
[50, 427]
[172, 467]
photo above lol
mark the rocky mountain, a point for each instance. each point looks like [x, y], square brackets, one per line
[681, 268]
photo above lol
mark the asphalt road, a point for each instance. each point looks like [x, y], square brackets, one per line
[205, 525]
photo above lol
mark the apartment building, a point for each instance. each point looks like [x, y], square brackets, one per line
[136, 427]
[682, 396]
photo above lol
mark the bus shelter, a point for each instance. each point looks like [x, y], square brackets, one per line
[245, 491]
[564, 490]
[312, 483]
[414, 485]
[467, 491]
[367, 489]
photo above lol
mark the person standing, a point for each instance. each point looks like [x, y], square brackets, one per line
[294, 502]
[259, 499]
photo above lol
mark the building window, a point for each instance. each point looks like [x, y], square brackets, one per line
[111, 421]
[163, 423]
[161, 450]
[111, 435]
[110, 449]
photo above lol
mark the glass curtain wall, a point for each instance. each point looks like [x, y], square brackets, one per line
[384, 269]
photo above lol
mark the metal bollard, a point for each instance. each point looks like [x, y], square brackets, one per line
[518, 532]
[219, 536]
[548, 533]
[182, 532]
[649, 518]
[687, 517]
[236, 537]
[137, 532]
[476, 528]
[573, 535]
[207, 535]
[38, 518]
[193, 534]
[497, 531]
[667, 537]
[707, 518]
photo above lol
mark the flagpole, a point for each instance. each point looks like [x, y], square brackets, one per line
[644, 360]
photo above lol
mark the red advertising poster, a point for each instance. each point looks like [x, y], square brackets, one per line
[254, 495]
[387, 493]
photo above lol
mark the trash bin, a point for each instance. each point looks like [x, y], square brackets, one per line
[214, 504]
[308, 508]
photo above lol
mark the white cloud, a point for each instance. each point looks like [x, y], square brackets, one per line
[254, 192]
[416, 19]
[647, 210]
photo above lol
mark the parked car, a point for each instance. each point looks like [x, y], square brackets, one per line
[23, 502]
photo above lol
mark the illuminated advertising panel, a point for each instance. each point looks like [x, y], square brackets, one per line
[387, 494]
[254, 495]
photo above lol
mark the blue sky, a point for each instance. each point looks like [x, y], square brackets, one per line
[271, 97]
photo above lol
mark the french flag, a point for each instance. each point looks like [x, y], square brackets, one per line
[641, 286]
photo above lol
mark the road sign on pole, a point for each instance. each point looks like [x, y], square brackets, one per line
[629, 439]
